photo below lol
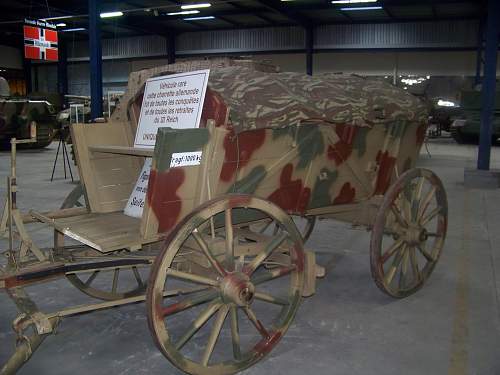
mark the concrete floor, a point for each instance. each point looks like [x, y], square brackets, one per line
[348, 327]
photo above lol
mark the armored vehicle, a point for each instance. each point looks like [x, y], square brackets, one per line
[466, 126]
[18, 114]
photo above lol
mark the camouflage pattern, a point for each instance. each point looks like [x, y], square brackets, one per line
[16, 115]
[297, 157]
[261, 100]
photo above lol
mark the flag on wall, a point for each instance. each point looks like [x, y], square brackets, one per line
[40, 43]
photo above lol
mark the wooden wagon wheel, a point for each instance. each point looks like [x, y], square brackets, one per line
[244, 306]
[409, 233]
[102, 284]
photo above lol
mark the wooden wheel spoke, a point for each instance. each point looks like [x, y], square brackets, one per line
[256, 322]
[267, 225]
[272, 245]
[418, 190]
[137, 276]
[114, 286]
[430, 216]
[91, 278]
[190, 302]
[394, 266]
[204, 247]
[192, 277]
[404, 270]
[229, 240]
[414, 265]
[426, 201]
[399, 217]
[391, 251]
[271, 299]
[425, 253]
[199, 322]
[214, 334]
[272, 274]
[235, 332]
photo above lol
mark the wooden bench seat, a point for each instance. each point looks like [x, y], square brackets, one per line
[104, 232]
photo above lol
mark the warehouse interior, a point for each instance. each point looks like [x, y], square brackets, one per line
[430, 65]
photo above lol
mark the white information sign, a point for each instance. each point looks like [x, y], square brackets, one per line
[137, 199]
[174, 101]
[181, 159]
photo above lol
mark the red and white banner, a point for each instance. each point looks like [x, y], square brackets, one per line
[40, 43]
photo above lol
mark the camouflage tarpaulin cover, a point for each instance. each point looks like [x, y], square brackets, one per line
[261, 99]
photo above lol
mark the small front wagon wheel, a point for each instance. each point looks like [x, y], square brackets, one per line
[409, 233]
[237, 289]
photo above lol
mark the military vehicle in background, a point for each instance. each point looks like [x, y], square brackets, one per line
[465, 127]
[18, 113]
[442, 113]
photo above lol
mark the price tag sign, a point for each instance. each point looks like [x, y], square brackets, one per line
[174, 101]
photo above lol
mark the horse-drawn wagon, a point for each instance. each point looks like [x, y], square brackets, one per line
[217, 241]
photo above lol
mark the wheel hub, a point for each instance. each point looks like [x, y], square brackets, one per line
[236, 288]
[415, 235]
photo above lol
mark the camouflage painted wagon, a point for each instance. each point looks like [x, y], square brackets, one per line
[227, 262]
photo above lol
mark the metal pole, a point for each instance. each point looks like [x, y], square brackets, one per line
[489, 83]
[95, 59]
[309, 50]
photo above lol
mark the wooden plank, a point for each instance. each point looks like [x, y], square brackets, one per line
[108, 177]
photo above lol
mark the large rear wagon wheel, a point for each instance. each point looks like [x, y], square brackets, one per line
[409, 233]
[244, 307]
[106, 284]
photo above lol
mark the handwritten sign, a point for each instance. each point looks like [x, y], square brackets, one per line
[174, 101]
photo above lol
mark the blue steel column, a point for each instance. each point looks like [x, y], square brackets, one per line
[95, 59]
[489, 83]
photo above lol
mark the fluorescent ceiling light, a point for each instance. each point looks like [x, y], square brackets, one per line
[352, 1]
[195, 6]
[360, 8]
[75, 29]
[111, 14]
[183, 12]
[199, 18]
[62, 24]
